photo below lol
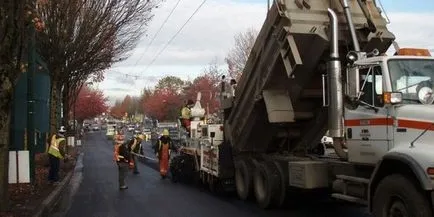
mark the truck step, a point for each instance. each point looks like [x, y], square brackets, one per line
[350, 199]
[353, 179]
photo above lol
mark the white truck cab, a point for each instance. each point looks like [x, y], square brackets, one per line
[392, 124]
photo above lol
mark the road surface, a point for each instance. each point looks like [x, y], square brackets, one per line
[97, 193]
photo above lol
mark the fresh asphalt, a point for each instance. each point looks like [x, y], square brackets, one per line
[95, 193]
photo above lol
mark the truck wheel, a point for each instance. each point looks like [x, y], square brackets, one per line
[243, 178]
[281, 191]
[397, 196]
[266, 184]
[175, 167]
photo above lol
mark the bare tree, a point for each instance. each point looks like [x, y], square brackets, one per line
[85, 37]
[238, 55]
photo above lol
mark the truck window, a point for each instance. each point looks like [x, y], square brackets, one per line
[371, 85]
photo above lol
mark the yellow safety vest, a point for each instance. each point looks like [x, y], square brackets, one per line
[185, 113]
[54, 147]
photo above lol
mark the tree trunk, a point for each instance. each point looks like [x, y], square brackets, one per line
[5, 113]
[4, 157]
[66, 105]
[53, 105]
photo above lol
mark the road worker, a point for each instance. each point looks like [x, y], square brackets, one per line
[121, 157]
[186, 115]
[56, 151]
[135, 148]
[233, 84]
[162, 150]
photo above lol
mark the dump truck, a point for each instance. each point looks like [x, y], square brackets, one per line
[321, 67]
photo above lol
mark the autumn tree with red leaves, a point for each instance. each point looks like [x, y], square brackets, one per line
[208, 88]
[89, 104]
[163, 105]
[116, 110]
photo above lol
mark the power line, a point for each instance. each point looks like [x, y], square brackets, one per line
[176, 34]
[158, 31]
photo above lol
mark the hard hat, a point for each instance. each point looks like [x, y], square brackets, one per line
[62, 129]
[141, 136]
[165, 132]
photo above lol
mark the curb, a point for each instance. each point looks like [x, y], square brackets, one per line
[49, 203]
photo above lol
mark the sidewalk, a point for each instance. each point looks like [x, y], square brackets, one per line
[26, 200]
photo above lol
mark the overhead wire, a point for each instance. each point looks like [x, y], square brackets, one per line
[158, 31]
[154, 37]
[174, 36]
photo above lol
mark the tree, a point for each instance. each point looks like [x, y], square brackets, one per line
[171, 83]
[209, 91]
[116, 111]
[163, 105]
[127, 104]
[93, 35]
[237, 57]
[208, 85]
[146, 93]
[89, 104]
[18, 19]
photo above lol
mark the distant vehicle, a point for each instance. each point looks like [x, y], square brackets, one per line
[111, 129]
[172, 127]
[95, 127]
[137, 131]
[131, 128]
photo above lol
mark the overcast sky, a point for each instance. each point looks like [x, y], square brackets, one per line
[209, 35]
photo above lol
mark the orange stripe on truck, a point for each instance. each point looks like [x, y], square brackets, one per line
[420, 125]
[412, 124]
[369, 122]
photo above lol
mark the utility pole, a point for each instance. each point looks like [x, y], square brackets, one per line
[31, 138]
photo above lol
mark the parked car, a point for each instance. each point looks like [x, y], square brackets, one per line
[95, 127]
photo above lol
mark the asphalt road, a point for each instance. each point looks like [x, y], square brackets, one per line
[97, 193]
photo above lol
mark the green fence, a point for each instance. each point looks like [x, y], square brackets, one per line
[41, 84]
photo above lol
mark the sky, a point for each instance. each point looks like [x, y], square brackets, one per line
[209, 35]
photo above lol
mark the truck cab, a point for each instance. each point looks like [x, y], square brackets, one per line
[389, 123]
[395, 111]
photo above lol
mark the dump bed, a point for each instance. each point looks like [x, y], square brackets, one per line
[278, 101]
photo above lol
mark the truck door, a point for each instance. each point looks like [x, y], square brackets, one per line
[368, 125]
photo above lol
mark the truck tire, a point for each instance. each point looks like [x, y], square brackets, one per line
[396, 195]
[280, 195]
[243, 178]
[266, 184]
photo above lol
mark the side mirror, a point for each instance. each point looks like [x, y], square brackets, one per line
[353, 83]
[212, 134]
[392, 98]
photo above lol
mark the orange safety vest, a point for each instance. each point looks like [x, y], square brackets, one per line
[119, 140]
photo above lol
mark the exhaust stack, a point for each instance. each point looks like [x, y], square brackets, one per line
[351, 25]
[335, 111]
